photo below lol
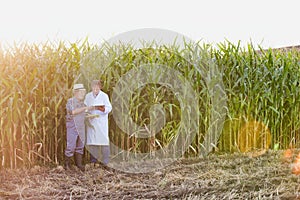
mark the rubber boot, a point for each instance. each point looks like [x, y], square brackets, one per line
[78, 161]
[67, 163]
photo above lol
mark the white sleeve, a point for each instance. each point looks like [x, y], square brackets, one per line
[108, 106]
[86, 100]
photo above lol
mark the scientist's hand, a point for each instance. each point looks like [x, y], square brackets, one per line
[101, 108]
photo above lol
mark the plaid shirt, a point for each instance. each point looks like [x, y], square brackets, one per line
[75, 121]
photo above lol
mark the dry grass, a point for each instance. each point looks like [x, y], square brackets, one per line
[230, 176]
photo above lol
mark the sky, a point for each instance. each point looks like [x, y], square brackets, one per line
[268, 23]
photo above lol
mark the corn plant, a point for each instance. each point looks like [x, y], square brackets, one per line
[261, 86]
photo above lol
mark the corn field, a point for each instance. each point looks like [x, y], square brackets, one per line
[261, 86]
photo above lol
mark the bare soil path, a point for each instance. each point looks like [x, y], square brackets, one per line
[230, 176]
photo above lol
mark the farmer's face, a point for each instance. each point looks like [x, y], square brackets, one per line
[96, 90]
[80, 94]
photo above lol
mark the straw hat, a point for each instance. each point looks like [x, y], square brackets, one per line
[78, 86]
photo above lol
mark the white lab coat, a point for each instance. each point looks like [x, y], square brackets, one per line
[98, 135]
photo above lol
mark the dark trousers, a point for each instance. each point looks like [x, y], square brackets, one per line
[99, 153]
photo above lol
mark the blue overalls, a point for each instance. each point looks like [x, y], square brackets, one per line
[75, 128]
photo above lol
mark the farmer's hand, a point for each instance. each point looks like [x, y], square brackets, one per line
[91, 108]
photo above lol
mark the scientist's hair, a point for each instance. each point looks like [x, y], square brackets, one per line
[96, 83]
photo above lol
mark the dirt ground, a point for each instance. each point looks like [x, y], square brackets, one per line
[223, 176]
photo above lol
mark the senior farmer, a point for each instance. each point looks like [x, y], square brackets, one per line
[75, 126]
